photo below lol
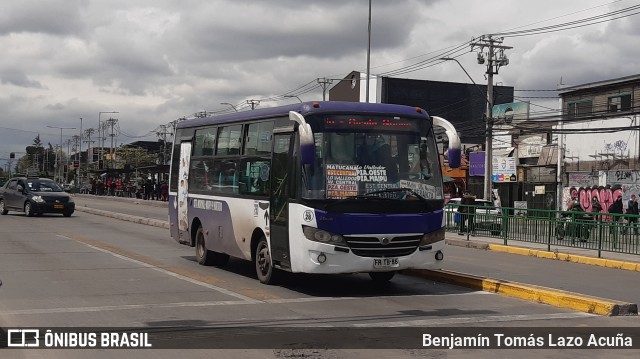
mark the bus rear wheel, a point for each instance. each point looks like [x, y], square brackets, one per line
[264, 264]
[205, 256]
[381, 277]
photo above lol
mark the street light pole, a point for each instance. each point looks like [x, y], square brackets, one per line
[368, 55]
[60, 150]
[488, 161]
[79, 177]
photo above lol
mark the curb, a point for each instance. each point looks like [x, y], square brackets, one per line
[143, 202]
[125, 217]
[532, 293]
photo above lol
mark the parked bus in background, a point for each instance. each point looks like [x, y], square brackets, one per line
[315, 187]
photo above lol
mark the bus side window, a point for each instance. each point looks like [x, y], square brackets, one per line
[226, 172]
[255, 177]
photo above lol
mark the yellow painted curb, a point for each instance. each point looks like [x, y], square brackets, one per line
[532, 293]
[609, 263]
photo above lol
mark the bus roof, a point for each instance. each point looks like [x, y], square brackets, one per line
[306, 108]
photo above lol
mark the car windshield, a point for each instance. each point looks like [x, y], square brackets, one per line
[372, 156]
[43, 186]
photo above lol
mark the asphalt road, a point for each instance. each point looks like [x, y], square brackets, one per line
[89, 270]
[578, 278]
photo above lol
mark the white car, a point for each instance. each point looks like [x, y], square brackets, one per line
[488, 218]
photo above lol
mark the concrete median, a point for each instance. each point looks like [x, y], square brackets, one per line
[125, 217]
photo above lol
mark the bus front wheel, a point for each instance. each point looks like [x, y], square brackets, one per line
[205, 256]
[264, 264]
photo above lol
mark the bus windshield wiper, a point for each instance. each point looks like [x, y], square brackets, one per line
[401, 189]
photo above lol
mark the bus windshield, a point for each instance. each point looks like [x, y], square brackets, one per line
[372, 156]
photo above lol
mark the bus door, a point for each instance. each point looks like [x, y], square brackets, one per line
[282, 175]
[183, 190]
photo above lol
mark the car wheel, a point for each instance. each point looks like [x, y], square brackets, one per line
[67, 214]
[381, 277]
[3, 210]
[267, 274]
[28, 209]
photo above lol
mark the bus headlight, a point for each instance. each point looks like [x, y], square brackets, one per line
[432, 237]
[319, 235]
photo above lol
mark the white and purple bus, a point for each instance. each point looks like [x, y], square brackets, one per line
[315, 187]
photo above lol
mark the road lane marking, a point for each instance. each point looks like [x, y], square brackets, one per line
[123, 307]
[151, 263]
[474, 320]
[326, 299]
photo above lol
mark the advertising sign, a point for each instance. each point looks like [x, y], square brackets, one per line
[531, 146]
[507, 112]
[476, 163]
[504, 169]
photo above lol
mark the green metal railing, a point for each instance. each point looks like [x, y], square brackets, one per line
[607, 232]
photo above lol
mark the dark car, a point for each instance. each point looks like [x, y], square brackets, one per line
[35, 196]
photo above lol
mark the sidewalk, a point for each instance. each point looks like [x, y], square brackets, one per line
[571, 254]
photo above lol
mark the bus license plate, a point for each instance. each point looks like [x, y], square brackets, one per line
[386, 262]
[58, 206]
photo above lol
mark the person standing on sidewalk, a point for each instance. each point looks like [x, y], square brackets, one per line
[467, 212]
[616, 208]
[632, 209]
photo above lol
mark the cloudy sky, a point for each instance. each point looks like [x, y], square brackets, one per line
[154, 61]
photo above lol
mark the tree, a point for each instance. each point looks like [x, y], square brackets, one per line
[135, 157]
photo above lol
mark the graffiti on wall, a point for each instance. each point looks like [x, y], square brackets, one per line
[605, 195]
[619, 145]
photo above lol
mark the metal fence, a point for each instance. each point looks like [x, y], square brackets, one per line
[608, 232]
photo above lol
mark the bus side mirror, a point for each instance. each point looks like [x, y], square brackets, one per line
[455, 147]
[307, 145]
[455, 157]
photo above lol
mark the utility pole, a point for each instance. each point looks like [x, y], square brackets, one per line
[162, 134]
[111, 122]
[253, 103]
[495, 58]
[77, 142]
[87, 134]
[101, 138]
[325, 82]
[66, 174]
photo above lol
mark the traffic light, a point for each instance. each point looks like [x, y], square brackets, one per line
[100, 164]
[12, 155]
[76, 164]
[65, 168]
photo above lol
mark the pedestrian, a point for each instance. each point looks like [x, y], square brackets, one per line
[467, 212]
[164, 191]
[632, 210]
[616, 209]
[595, 205]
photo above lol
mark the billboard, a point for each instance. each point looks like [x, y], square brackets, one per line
[505, 113]
[476, 163]
[530, 146]
[504, 169]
